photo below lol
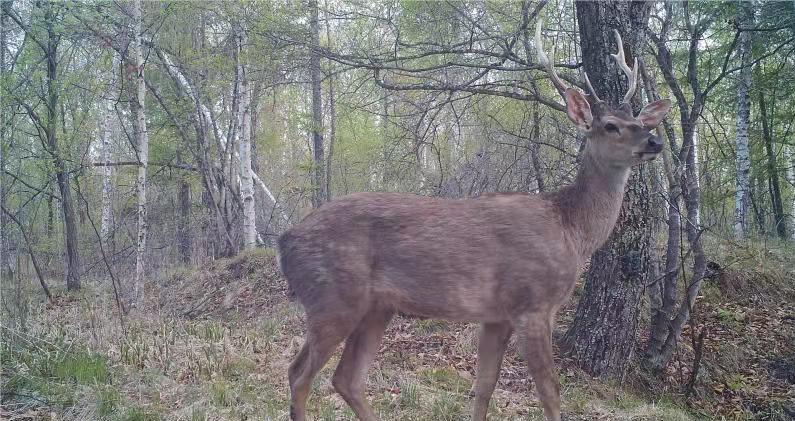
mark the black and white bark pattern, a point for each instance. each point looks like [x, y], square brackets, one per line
[743, 163]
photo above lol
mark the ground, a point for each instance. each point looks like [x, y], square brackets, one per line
[215, 344]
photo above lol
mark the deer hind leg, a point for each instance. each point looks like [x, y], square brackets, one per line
[535, 344]
[360, 349]
[491, 348]
[321, 341]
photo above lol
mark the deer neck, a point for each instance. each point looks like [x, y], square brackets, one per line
[590, 206]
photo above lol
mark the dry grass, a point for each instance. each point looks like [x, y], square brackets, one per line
[210, 345]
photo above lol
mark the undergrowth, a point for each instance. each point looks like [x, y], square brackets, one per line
[215, 343]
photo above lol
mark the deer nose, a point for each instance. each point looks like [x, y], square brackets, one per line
[655, 142]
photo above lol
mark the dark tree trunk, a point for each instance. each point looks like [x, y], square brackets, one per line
[772, 171]
[534, 157]
[602, 336]
[667, 329]
[183, 221]
[61, 173]
[318, 169]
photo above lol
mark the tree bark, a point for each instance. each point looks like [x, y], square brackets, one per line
[4, 259]
[772, 171]
[106, 155]
[142, 139]
[332, 110]
[318, 169]
[745, 19]
[244, 115]
[61, 173]
[534, 155]
[789, 156]
[183, 228]
[667, 329]
[602, 336]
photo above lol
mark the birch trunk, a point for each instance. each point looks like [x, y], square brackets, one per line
[142, 140]
[106, 134]
[743, 164]
[789, 153]
[318, 185]
[244, 115]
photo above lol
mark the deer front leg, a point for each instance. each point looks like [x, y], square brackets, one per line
[535, 344]
[491, 347]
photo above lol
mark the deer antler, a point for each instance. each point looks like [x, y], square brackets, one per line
[547, 63]
[632, 74]
[592, 91]
[553, 75]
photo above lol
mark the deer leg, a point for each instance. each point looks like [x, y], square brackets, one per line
[535, 343]
[360, 349]
[491, 348]
[321, 340]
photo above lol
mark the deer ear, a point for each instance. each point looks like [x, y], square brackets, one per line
[578, 109]
[652, 114]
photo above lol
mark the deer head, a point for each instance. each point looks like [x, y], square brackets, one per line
[614, 135]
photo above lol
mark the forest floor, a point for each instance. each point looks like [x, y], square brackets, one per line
[215, 344]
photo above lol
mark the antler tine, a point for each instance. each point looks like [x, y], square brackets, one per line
[547, 63]
[592, 91]
[632, 74]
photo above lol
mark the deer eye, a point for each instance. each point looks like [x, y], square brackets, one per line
[610, 127]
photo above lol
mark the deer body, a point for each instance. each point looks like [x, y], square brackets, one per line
[475, 260]
[508, 261]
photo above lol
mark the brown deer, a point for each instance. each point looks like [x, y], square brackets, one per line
[508, 261]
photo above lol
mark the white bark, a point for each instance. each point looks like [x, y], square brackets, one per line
[142, 139]
[789, 153]
[204, 112]
[743, 167]
[106, 133]
[270, 195]
[244, 122]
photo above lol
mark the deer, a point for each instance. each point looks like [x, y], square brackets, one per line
[507, 261]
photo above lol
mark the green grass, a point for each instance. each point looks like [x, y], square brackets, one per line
[446, 379]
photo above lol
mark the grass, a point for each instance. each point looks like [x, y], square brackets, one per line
[229, 358]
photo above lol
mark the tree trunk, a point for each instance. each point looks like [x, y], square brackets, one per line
[61, 173]
[534, 155]
[789, 156]
[183, 220]
[772, 171]
[318, 185]
[743, 164]
[663, 287]
[4, 259]
[142, 140]
[602, 336]
[332, 110]
[244, 115]
[667, 328]
[106, 155]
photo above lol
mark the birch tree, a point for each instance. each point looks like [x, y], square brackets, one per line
[789, 156]
[244, 121]
[106, 134]
[142, 144]
[743, 164]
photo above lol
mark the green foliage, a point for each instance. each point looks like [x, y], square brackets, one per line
[40, 372]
